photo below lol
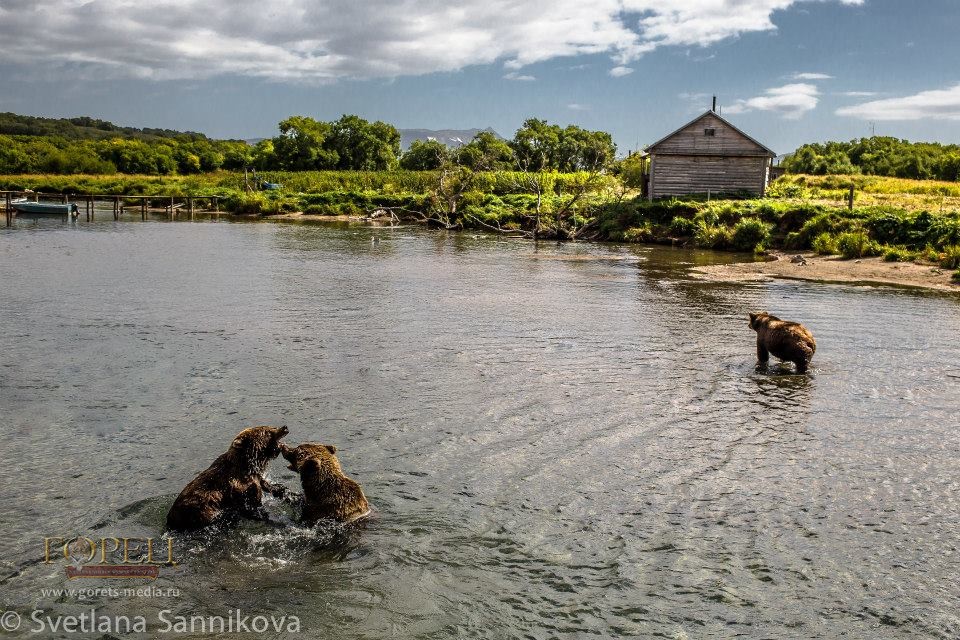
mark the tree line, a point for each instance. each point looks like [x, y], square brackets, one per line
[89, 146]
[880, 156]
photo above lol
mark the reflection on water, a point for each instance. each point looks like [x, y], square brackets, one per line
[559, 441]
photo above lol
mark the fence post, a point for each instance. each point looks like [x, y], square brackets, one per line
[850, 198]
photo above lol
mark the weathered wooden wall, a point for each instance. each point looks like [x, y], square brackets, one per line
[676, 175]
[726, 141]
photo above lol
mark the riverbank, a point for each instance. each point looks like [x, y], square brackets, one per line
[833, 269]
[800, 213]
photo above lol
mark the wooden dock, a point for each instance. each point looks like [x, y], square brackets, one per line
[172, 206]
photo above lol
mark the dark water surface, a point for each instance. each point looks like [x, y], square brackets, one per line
[569, 442]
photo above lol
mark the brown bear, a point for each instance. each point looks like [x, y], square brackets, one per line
[233, 485]
[788, 341]
[327, 491]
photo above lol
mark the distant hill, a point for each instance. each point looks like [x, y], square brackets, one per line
[84, 128]
[450, 137]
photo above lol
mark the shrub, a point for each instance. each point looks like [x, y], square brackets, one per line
[750, 233]
[929, 254]
[682, 227]
[824, 244]
[898, 254]
[784, 189]
[951, 257]
[856, 244]
[826, 222]
[794, 240]
[944, 230]
[956, 276]
[245, 203]
[639, 234]
[711, 236]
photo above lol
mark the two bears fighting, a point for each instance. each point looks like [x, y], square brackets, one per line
[233, 486]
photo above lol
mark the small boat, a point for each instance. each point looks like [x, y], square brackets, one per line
[30, 207]
[271, 186]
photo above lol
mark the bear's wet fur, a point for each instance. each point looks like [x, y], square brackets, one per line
[788, 341]
[327, 492]
[233, 485]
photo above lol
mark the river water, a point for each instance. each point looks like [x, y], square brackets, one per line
[568, 441]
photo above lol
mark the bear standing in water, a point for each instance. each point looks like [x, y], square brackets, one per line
[788, 341]
[327, 491]
[233, 485]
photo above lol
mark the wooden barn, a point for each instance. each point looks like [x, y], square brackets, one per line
[707, 155]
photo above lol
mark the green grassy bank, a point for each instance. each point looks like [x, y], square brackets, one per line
[894, 218]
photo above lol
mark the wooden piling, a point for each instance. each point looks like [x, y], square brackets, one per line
[143, 208]
[8, 209]
[850, 198]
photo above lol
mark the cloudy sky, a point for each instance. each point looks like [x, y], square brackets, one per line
[789, 71]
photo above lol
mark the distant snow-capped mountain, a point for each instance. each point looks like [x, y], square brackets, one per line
[449, 137]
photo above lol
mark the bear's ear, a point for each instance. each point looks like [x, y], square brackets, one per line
[241, 442]
[331, 448]
[753, 316]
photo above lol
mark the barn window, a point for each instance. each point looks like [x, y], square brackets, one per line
[710, 132]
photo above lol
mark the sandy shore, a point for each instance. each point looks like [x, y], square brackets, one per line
[833, 269]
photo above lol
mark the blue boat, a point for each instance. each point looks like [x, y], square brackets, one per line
[24, 206]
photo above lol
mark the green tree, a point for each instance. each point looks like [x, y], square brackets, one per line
[302, 145]
[237, 156]
[263, 155]
[582, 150]
[363, 146]
[632, 171]
[424, 155]
[536, 145]
[486, 152]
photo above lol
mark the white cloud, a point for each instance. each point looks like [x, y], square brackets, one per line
[573, 106]
[811, 76]
[940, 104]
[791, 100]
[324, 40]
[513, 75]
[620, 71]
[858, 94]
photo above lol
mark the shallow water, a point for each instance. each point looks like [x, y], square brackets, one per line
[564, 442]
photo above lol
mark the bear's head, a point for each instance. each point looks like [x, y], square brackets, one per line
[257, 446]
[314, 453]
[759, 319]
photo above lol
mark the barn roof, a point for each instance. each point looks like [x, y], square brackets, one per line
[766, 149]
